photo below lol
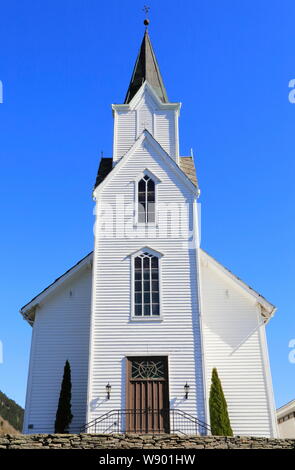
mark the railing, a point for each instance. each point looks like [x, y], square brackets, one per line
[147, 421]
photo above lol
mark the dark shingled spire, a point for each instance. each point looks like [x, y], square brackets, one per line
[146, 68]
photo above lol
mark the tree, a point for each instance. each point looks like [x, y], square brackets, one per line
[64, 415]
[219, 419]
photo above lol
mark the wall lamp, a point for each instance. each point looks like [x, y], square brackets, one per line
[186, 390]
[108, 390]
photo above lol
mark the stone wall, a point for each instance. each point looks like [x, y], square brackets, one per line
[137, 441]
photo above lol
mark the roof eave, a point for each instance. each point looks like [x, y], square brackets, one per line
[28, 310]
[267, 309]
[136, 98]
[286, 409]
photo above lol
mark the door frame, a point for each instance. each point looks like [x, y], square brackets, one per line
[166, 398]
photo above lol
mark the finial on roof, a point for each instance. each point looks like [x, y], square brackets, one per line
[146, 69]
[146, 10]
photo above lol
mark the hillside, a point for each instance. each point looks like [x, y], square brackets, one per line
[6, 428]
[11, 415]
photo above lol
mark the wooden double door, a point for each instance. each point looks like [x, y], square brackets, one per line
[147, 397]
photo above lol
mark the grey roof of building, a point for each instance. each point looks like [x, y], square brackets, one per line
[187, 165]
[146, 69]
[105, 167]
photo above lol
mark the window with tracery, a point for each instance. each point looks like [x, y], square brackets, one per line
[148, 369]
[146, 200]
[146, 285]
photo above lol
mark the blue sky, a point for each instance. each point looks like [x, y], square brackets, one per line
[62, 63]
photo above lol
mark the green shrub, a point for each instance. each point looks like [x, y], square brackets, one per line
[64, 414]
[219, 419]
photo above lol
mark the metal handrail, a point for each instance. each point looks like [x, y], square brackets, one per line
[114, 421]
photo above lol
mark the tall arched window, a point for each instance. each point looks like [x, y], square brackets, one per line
[146, 200]
[146, 285]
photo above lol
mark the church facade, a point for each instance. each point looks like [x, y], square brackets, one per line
[146, 316]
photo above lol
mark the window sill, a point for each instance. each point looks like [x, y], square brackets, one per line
[146, 319]
[146, 224]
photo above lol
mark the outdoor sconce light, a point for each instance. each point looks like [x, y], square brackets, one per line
[108, 389]
[186, 389]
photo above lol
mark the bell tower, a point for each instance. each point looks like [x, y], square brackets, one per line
[146, 107]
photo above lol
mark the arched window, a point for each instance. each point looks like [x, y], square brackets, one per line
[146, 200]
[146, 285]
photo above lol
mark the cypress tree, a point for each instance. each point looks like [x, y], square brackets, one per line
[64, 415]
[219, 419]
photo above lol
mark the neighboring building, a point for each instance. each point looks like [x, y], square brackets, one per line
[146, 317]
[286, 420]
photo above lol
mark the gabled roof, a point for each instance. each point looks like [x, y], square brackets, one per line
[188, 167]
[267, 309]
[28, 310]
[146, 69]
[145, 135]
[286, 409]
[105, 167]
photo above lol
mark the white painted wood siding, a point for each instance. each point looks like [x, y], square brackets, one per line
[114, 335]
[145, 116]
[161, 123]
[165, 131]
[124, 132]
[60, 332]
[233, 334]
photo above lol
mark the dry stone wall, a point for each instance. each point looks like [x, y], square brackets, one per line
[139, 441]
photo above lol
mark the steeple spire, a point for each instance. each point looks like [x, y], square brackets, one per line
[146, 68]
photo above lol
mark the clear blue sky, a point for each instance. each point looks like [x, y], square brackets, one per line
[62, 64]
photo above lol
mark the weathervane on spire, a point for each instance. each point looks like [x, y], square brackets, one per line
[146, 9]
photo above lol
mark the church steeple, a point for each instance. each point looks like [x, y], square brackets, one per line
[146, 69]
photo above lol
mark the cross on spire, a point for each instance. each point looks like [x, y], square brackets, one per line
[146, 9]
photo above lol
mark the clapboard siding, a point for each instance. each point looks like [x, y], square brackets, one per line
[232, 343]
[60, 332]
[124, 132]
[172, 198]
[114, 334]
[165, 131]
[145, 116]
[129, 124]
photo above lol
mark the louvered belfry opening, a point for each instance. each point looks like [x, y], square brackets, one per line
[147, 395]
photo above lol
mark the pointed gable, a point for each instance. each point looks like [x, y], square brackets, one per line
[146, 139]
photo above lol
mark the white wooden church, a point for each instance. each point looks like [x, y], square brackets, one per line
[146, 316]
